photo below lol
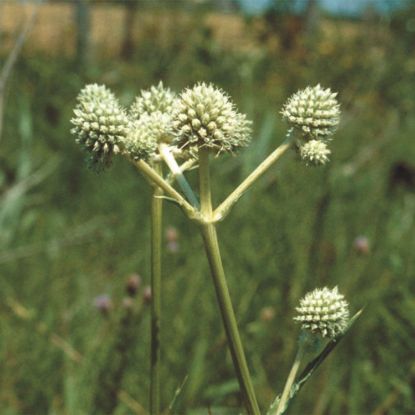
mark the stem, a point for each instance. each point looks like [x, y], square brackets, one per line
[223, 209]
[210, 239]
[158, 180]
[290, 380]
[156, 240]
[178, 174]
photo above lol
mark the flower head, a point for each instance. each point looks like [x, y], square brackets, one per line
[100, 123]
[315, 152]
[204, 116]
[157, 98]
[314, 111]
[324, 312]
[146, 134]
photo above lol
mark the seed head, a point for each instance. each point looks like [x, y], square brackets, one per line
[323, 312]
[205, 116]
[157, 98]
[100, 124]
[146, 133]
[315, 152]
[314, 111]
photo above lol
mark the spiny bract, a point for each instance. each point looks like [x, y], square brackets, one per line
[100, 124]
[146, 134]
[324, 312]
[204, 116]
[157, 98]
[314, 111]
[315, 152]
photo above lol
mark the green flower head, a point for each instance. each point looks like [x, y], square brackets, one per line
[146, 134]
[100, 124]
[204, 116]
[313, 111]
[155, 99]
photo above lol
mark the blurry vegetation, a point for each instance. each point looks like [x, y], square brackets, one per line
[73, 234]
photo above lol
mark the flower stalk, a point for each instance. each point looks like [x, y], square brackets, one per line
[156, 242]
[223, 209]
[208, 230]
[282, 405]
[177, 173]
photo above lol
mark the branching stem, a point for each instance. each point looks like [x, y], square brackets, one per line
[208, 230]
[178, 174]
[223, 209]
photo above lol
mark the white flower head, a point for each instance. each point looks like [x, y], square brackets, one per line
[100, 123]
[204, 116]
[146, 134]
[324, 312]
[156, 99]
[314, 153]
[314, 111]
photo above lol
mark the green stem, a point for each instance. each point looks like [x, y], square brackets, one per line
[159, 181]
[156, 241]
[282, 405]
[210, 239]
[178, 174]
[223, 209]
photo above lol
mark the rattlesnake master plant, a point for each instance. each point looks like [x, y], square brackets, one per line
[314, 152]
[146, 133]
[156, 99]
[202, 121]
[205, 116]
[324, 312]
[314, 113]
[100, 123]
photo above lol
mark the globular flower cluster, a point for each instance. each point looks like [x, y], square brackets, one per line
[315, 152]
[100, 124]
[151, 122]
[204, 116]
[323, 312]
[156, 99]
[146, 133]
[315, 113]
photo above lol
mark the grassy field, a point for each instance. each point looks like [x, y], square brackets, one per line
[69, 235]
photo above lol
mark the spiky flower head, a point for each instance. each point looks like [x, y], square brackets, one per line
[146, 134]
[204, 116]
[314, 153]
[323, 312]
[100, 123]
[95, 92]
[157, 98]
[314, 111]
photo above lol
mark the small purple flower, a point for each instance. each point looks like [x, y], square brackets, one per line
[361, 245]
[172, 239]
[103, 303]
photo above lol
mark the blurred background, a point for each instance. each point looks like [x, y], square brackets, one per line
[74, 243]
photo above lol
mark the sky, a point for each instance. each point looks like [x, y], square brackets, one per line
[345, 7]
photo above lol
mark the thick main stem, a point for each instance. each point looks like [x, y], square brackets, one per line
[156, 241]
[210, 239]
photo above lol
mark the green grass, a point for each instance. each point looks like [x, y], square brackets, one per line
[76, 234]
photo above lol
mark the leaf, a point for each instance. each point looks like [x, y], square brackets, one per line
[312, 366]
